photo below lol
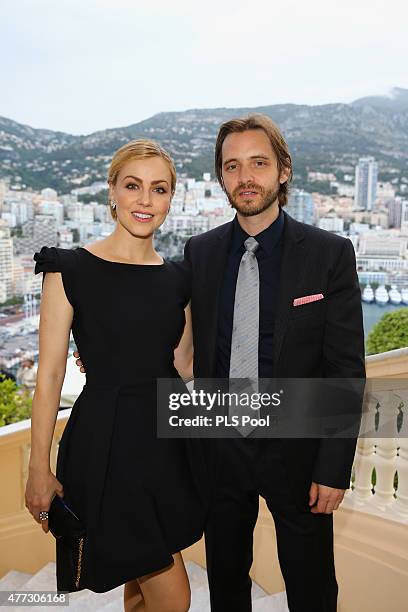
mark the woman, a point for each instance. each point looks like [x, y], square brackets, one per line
[141, 499]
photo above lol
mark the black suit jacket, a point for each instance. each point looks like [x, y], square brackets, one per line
[324, 338]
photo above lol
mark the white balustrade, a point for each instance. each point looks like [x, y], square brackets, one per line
[385, 416]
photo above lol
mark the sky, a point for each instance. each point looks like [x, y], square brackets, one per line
[80, 66]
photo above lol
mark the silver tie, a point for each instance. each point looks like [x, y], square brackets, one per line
[245, 328]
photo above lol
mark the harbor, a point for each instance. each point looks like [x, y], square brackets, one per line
[373, 312]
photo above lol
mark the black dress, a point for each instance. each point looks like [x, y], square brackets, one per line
[140, 498]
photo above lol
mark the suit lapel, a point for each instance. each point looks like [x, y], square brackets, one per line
[215, 265]
[293, 260]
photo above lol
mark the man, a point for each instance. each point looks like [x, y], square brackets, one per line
[302, 480]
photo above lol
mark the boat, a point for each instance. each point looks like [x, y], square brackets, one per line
[404, 296]
[381, 296]
[394, 295]
[368, 294]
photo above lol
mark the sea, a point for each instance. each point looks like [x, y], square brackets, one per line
[372, 313]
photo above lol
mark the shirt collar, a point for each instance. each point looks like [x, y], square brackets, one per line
[267, 239]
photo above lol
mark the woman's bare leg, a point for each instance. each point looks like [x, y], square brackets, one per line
[132, 597]
[165, 591]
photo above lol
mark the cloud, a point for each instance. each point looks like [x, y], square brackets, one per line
[82, 66]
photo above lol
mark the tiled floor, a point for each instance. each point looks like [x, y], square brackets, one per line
[112, 601]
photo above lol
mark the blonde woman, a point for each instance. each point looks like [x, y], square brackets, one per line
[141, 499]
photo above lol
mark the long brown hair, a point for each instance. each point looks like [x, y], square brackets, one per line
[279, 146]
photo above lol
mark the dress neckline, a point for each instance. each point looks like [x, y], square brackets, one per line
[122, 263]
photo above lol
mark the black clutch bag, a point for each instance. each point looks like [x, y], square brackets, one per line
[67, 528]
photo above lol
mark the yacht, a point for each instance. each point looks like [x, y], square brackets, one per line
[368, 294]
[404, 296]
[381, 295]
[394, 295]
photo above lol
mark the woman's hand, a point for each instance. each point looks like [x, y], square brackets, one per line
[40, 491]
[183, 354]
[79, 362]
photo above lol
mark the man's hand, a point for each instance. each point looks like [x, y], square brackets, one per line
[324, 499]
[79, 362]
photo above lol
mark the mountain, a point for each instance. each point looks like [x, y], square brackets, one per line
[397, 101]
[324, 138]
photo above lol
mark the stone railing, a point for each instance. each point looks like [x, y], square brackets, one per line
[371, 526]
[24, 546]
[380, 472]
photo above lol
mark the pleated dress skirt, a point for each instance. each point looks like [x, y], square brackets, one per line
[141, 498]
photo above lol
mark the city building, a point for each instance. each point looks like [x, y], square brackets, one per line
[65, 238]
[211, 204]
[3, 292]
[379, 218]
[186, 224]
[9, 218]
[41, 231]
[377, 263]
[332, 224]
[385, 193]
[345, 190]
[81, 213]
[6, 261]
[394, 207]
[49, 194]
[32, 220]
[18, 206]
[53, 208]
[383, 244]
[366, 183]
[102, 213]
[359, 228]
[404, 216]
[300, 206]
[3, 190]
[24, 279]
[369, 278]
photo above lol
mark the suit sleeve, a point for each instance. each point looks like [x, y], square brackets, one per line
[343, 357]
[187, 255]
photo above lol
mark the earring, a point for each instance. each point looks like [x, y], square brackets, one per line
[113, 204]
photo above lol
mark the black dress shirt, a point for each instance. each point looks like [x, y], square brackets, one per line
[269, 256]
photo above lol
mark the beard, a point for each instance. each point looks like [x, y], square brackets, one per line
[247, 208]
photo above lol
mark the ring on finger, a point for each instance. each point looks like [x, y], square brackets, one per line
[43, 515]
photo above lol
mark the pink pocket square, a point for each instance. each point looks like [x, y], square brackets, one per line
[306, 299]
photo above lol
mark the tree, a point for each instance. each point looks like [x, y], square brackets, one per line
[17, 231]
[13, 301]
[15, 403]
[391, 332]
[101, 197]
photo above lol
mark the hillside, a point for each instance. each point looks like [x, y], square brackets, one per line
[325, 138]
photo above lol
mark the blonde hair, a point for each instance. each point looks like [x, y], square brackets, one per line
[138, 149]
[279, 146]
